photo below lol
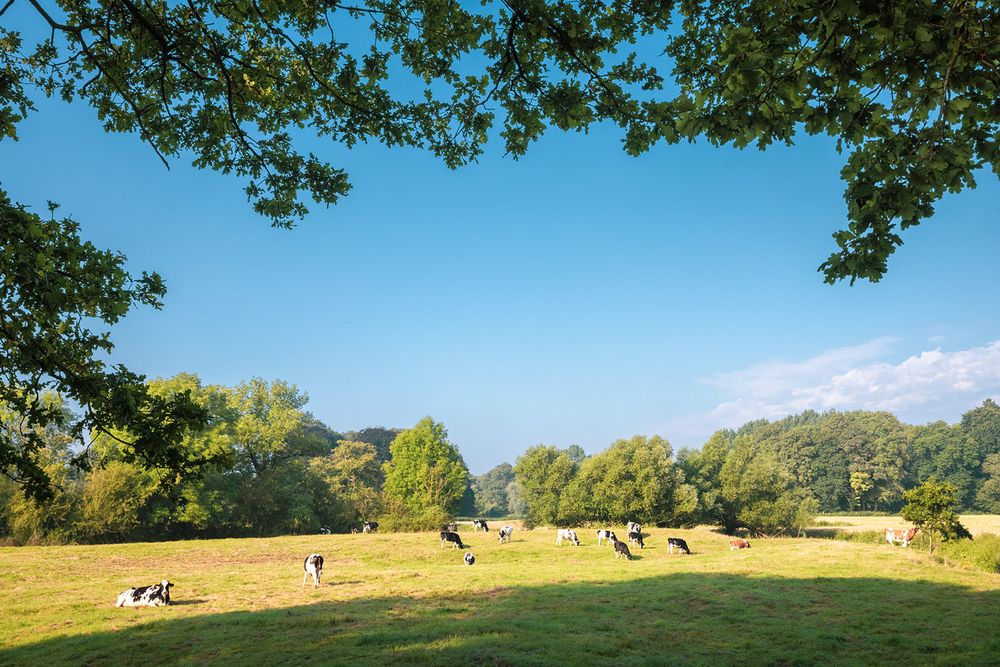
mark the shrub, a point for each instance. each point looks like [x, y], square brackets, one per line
[400, 520]
[982, 553]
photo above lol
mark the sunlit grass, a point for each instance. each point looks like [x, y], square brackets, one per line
[402, 598]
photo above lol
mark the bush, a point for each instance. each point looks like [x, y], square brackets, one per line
[863, 536]
[403, 521]
[982, 553]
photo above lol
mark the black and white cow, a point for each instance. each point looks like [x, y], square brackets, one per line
[369, 527]
[505, 533]
[146, 596]
[453, 538]
[480, 524]
[635, 537]
[313, 565]
[677, 543]
[633, 527]
[324, 531]
[621, 549]
[567, 534]
[469, 558]
[606, 535]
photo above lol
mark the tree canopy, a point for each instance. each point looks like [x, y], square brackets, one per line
[426, 471]
[909, 90]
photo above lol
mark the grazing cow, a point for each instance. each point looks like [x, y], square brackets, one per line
[605, 535]
[621, 549]
[505, 533]
[146, 596]
[453, 538]
[480, 524]
[679, 544]
[369, 527]
[633, 527]
[738, 543]
[469, 558]
[904, 537]
[567, 534]
[324, 531]
[635, 538]
[313, 565]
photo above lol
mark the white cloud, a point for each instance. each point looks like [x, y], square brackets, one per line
[930, 385]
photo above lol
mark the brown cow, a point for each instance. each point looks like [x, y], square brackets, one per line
[904, 537]
[738, 543]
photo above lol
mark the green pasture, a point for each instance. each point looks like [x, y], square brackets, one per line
[400, 598]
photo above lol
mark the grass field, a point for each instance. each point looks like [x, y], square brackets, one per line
[401, 599]
[976, 523]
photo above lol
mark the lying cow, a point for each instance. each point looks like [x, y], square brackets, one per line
[635, 538]
[313, 565]
[605, 535]
[369, 527]
[146, 596]
[480, 524]
[679, 544]
[904, 537]
[567, 534]
[469, 558]
[453, 538]
[738, 543]
[621, 549]
[505, 533]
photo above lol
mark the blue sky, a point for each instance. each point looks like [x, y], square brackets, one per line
[575, 296]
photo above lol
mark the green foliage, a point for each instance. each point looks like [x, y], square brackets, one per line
[988, 497]
[931, 506]
[543, 473]
[426, 471]
[982, 553]
[633, 480]
[742, 484]
[57, 296]
[490, 491]
[902, 86]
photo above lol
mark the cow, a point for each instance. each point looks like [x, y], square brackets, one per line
[904, 537]
[633, 527]
[313, 565]
[453, 538]
[679, 544]
[505, 533]
[635, 538]
[469, 558]
[369, 527]
[738, 543]
[606, 535]
[146, 596]
[324, 531]
[567, 534]
[621, 549]
[354, 530]
[478, 524]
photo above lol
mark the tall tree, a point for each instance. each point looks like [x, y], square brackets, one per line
[491, 490]
[543, 473]
[57, 294]
[632, 480]
[426, 470]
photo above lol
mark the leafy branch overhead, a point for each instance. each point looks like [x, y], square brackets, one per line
[909, 89]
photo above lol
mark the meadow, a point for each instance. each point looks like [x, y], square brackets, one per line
[400, 598]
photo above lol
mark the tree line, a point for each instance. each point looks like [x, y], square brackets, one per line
[266, 466]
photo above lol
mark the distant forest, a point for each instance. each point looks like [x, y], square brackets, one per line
[275, 469]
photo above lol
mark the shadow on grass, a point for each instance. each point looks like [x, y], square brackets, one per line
[684, 618]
